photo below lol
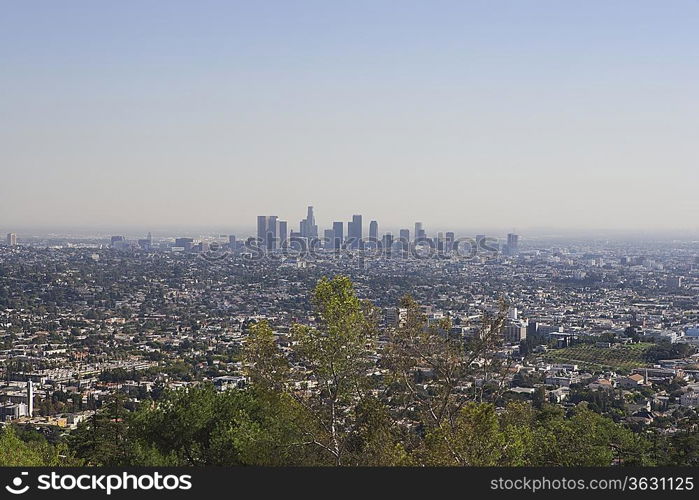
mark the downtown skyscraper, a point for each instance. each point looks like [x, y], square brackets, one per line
[374, 230]
[308, 227]
[267, 231]
[338, 235]
[354, 231]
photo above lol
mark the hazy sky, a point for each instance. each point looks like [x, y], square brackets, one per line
[459, 114]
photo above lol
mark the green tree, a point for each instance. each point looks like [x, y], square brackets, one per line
[14, 452]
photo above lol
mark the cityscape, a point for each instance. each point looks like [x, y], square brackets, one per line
[254, 245]
[274, 235]
[611, 326]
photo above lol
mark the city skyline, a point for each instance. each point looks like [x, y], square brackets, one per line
[510, 115]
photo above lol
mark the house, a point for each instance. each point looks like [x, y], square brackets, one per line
[559, 395]
[630, 382]
[601, 383]
[559, 381]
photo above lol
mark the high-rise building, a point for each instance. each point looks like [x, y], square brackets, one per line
[450, 238]
[387, 242]
[283, 232]
[231, 242]
[338, 237]
[515, 331]
[512, 243]
[261, 227]
[11, 239]
[267, 231]
[404, 237]
[512, 240]
[419, 232]
[374, 230]
[354, 231]
[308, 227]
[439, 241]
[271, 232]
[329, 239]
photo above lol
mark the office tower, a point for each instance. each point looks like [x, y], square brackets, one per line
[354, 230]
[261, 227]
[11, 239]
[374, 230]
[329, 239]
[271, 232]
[267, 231]
[418, 229]
[387, 242]
[116, 239]
[231, 241]
[357, 221]
[283, 232]
[439, 242]
[30, 398]
[308, 226]
[419, 232]
[512, 240]
[405, 240]
[185, 243]
[338, 237]
[450, 241]
[512, 243]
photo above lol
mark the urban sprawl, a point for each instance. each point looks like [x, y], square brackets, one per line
[612, 325]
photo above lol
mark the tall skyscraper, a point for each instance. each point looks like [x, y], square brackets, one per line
[283, 232]
[308, 226]
[261, 227]
[354, 230]
[374, 230]
[329, 237]
[419, 232]
[387, 242]
[338, 236]
[439, 241]
[404, 237]
[512, 243]
[267, 231]
[512, 240]
[272, 232]
[449, 241]
[11, 239]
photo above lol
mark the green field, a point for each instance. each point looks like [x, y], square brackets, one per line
[588, 356]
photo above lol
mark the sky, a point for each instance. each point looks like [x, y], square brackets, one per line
[460, 114]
